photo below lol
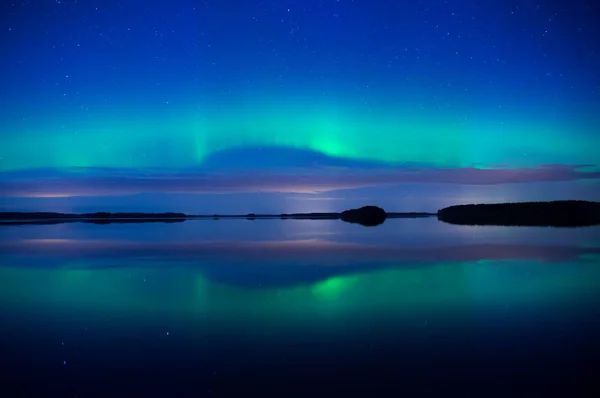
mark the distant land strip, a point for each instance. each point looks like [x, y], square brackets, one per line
[561, 213]
[566, 213]
[19, 216]
[367, 215]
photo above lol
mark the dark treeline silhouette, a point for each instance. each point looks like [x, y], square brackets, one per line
[134, 215]
[570, 213]
[567, 213]
[369, 216]
[99, 215]
[98, 221]
[311, 216]
[132, 220]
[48, 218]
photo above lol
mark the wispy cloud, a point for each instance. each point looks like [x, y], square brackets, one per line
[315, 198]
[109, 182]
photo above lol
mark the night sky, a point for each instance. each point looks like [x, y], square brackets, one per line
[307, 105]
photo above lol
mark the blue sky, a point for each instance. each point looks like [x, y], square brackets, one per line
[284, 106]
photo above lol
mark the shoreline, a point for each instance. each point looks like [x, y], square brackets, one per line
[565, 213]
[57, 218]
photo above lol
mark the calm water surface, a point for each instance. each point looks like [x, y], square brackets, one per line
[297, 306]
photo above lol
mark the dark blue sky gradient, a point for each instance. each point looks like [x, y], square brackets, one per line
[82, 79]
[218, 46]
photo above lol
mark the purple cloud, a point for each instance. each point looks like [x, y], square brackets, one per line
[106, 182]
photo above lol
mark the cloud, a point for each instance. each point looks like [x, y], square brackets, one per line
[109, 182]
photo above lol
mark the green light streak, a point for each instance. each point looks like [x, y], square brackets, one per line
[185, 137]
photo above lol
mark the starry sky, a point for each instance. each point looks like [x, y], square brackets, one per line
[300, 105]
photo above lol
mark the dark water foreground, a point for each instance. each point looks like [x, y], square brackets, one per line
[303, 307]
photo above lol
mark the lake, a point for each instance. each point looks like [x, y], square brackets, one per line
[207, 307]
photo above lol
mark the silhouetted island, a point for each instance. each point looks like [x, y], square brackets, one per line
[18, 218]
[369, 216]
[566, 213]
[569, 213]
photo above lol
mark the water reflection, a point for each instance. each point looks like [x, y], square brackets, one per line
[99, 307]
[188, 292]
[289, 277]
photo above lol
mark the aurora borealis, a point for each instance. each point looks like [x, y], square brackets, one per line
[293, 273]
[316, 105]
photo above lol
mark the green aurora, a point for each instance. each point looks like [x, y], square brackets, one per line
[179, 138]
